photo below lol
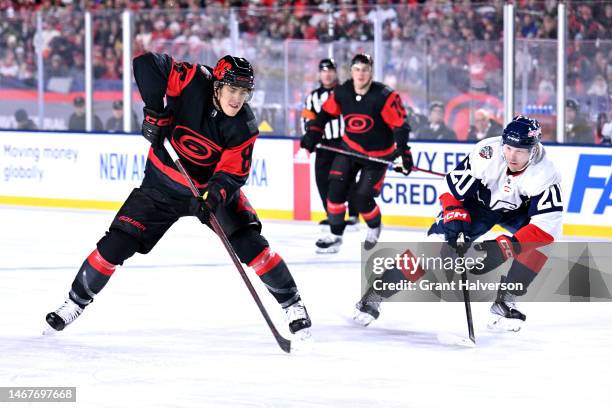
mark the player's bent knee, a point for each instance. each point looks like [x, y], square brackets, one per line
[117, 246]
[248, 244]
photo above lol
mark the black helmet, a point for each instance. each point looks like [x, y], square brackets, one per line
[327, 63]
[362, 59]
[235, 71]
[523, 132]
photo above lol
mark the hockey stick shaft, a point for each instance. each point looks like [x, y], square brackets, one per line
[374, 159]
[284, 344]
[466, 293]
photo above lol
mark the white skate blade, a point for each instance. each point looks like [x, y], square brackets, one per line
[454, 340]
[364, 319]
[302, 342]
[500, 323]
[48, 331]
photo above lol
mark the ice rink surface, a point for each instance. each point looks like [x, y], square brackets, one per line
[177, 328]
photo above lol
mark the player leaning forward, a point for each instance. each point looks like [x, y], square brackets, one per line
[376, 126]
[509, 181]
[213, 130]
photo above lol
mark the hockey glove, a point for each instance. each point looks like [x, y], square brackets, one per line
[456, 219]
[311, 138]
[403, 162]
[496, 252]
[157, 126]
[208, 203]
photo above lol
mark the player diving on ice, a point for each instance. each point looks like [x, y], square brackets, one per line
[212, 128]
[508, 181]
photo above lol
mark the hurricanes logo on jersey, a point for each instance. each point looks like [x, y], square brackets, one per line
[195, 147]
[486, 152]
[358, 123]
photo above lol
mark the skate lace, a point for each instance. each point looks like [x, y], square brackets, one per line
[69, 311]
[509, 300]
[296, 311]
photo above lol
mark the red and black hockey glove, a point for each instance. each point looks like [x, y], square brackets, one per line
[456, 219]
[496, 252]
[403, 162]
[208, 203]
[157, 126]
[311, 138]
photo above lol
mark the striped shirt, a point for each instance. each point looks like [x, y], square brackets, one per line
[314, 102]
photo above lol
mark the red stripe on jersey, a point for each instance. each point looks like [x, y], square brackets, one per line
[265, 261]
[237, 160]
[173, 174]
[409, 266]
[180, 76]
[531, 237]
[373, 153]
[331, 106]
[534, 260]
[372, 214]
[100, 264]
[393, 112]
[335, 208]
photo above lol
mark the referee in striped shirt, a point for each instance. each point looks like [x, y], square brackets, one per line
[328, 80]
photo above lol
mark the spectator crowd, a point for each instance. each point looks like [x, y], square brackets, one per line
[455, 46]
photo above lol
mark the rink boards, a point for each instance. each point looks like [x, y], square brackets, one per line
[97, 171]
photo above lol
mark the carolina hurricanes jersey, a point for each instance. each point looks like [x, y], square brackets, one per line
[483, 176]
[375, 123]
[212, 146]
[314, 103]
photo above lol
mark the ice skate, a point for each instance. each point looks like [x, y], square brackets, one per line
[372, 237]
[504, 314]
[299, 321]
[63, 316]
[368, 308]
[330, 244]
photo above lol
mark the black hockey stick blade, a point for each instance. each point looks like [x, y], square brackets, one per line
[284, 344]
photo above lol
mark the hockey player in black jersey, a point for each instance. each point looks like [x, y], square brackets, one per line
[212, 128]
[375, 125]
[328, 79]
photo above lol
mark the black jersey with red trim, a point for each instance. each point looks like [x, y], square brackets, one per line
[213, 147]
[375, 123]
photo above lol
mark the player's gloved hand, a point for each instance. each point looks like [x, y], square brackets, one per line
[495, 252]
[208, 203]
[456, 219]
[311, 138]
[403, 163]
[157, 126]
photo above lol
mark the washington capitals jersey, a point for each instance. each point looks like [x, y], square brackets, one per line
[314, 103]
[483, 178]
[213, 147]
[375, 123]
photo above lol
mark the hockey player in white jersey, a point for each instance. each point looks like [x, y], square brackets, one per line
[508, 181]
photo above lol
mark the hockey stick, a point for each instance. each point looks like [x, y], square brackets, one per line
[374, 159]
[284, 344]
[462, 248]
